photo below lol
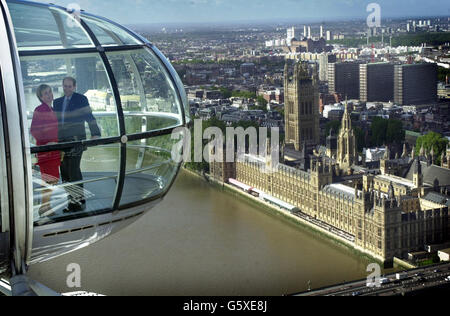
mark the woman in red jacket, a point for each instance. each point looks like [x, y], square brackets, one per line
[44, 128]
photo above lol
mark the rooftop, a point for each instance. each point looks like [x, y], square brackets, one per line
[437, 198]
[396, 180]
[340, 189]
[430, 173]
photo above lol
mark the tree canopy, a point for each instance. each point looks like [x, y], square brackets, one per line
[335, 125]
[386, 131]
[244, 94]
[432, 140]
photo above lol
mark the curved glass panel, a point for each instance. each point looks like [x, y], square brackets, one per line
[179, 83]
[74, 180]
[3, 183]
[71, 177]
[4, 240]
[187, 110]
[149, 98]
[93, 193]
[39, 28]
[91, 81]
[109, 34]
[150, 168]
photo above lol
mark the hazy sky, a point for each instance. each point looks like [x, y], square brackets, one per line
[160, 11]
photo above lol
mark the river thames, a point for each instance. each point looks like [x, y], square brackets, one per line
[203, 241]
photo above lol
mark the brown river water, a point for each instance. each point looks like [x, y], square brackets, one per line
[204, 241]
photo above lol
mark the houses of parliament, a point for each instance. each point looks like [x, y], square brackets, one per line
[390, 211]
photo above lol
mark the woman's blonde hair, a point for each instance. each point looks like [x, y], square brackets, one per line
[41, 89]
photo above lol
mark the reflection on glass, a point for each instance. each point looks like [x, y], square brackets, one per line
[39, 28]
[99, 168]
[148, 96]
[109, 34]
[91, 81]
[150, 168]
[71, 179]
[180, 86]
[44, 128]
[187, 109]
[87, 178]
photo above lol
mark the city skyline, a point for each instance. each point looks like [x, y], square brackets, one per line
[221, 11]
[338, 133]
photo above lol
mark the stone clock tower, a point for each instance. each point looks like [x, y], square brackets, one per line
[301, 91]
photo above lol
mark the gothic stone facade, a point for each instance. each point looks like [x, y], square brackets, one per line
[301, 105]
[383, 225]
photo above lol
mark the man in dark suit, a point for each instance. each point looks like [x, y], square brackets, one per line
[73, 111]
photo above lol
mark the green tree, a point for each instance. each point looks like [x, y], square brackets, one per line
[244, 94]
[245, 124]
[226, 92]
[261, 101]
[395, 132]
[419, 38]
[360, 138]
[443, 73]
[378, 127]
[203, 166]
[432, 140]
[335, 125]
[386, 131]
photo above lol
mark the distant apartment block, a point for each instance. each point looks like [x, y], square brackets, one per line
[415, 84]
[406, 84]
[343, 78]
[376, 82]
[324, 60]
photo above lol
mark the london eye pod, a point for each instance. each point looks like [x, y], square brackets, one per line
[124, 92]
